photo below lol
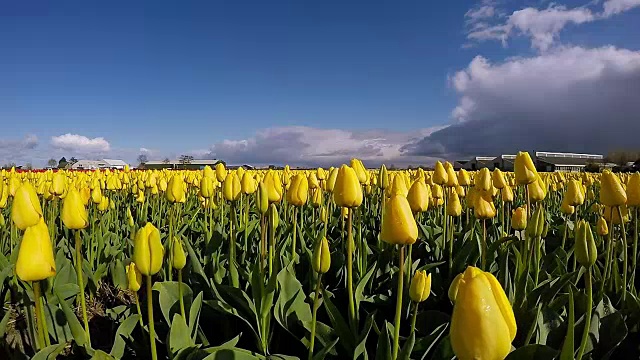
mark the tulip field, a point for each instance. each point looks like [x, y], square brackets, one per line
[334, 263]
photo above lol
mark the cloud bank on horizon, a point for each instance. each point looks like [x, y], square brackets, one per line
[558, 97]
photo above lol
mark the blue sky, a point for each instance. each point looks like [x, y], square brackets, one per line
[286, 81]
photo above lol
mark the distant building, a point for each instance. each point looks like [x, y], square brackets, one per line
[88, 165]
[98, 164]
[197, 164]
[504, 162]
[479, 162]
[554, 161]
[115, 164]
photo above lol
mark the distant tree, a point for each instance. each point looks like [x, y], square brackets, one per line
[52, 163]
[622, 157]
[142, 158]
[166, 161]
[62, 163]
[9, 165]
[73, 160]
[592, 167]
[28, 166]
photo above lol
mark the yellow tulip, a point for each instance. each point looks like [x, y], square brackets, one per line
[537, 190]
[298, 190]
[361, 171]
[524, 169]
[14, 184]
[383, 177]
[312, 180]
[611, 191]
[483, 180]
[175, 189]
[463, 177]
[26, 210]
[454, 208]
[58, 184]
[179, 257]
[398, 226]
[574, 195]
[262, 198]
[207, 189]
[148, 252]
[585, 246]
[611, 214]
[232, 187]
[633, 190]
[452, 179]
[104, 204]
[274, 186]
[74, 214]
[484, 207]
[398, 186]
[331, 180]
[321, 260]
[566, 208]
[519, 218]
[317, 199]
[208, 172]
[507, 194]
[35, 257]
[498, 179]
[347, 191]
[221, 172]
[248, 183]
[482, 325]
[440, 174]
[420, 288]
[419, 196]
[134, 277]
[601, 227]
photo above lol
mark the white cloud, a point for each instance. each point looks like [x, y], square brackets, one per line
[307, 146]
[542, 27]
[612, 7]
[17, 150]
[80, 144]
[569, 99]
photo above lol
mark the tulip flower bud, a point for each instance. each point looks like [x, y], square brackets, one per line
[440, 174]
[611, 191]
[74, 214]
[418, 197]
[58, 184]
[130, 218]
[347, 191]
[35, 257]
[398, 226]
[420, 288]
[482, 324]
[454, 208]
[274, 219]
[574, 195]
[175, 189]
[519, 219]
[273, 186]
[298, 190]
[134, 277]
[248, 183]
[361, 171]
[14, 184]
[524, 169]
[25, 210]
[179, 257]
[507, 194]
[317, 198]
[324, 214]
[601, 228]
[460, 191]
[383, 177]
[331, 180]
[463, 177]
[612, 216]
[452, 179]
[262, 198]
[484, 207]
[498, 179]
[585, 248]
[104, 204]
[321, 260]
[321, 174]
[398, 186]
[148, 251]
[207, 190]
[537, 190]
[312, 180]
[535, 227]
[221, 172]
[633, 190]
[437, 192]
[231, 187]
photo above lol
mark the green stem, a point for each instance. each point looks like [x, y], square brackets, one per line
[624, 255]
[414, 317]
[152, 329]
[180, 295]
[135, 295]
[313, 317]
[635, 247]
[233, 266]
[587, 319]
[39, 317]
[484, 245]
[396, 326]
[409, 265]
[272, 236]
[170, 243]
[451, 254]
[352, 311]
[295, 233]
[81, 283]
[564, 235]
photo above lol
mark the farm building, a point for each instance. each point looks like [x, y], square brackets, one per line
[478, 162]
[504, 162]
[98, 164]
[554, 161]
[196, 164]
